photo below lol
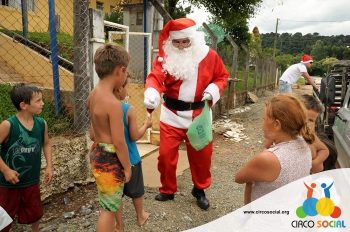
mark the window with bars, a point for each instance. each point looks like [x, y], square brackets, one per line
[17, 4]
[4, 2]
[99, 6]
[139, 18]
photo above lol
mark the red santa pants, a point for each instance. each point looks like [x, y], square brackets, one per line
[200, 161]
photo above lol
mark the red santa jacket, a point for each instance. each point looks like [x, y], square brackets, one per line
[211, 77]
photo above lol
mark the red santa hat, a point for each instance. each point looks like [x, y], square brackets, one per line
[305, 59]
[175, 29]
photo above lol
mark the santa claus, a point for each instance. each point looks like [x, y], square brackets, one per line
[187, 72]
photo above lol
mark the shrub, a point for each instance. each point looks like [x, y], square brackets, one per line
[56, 124]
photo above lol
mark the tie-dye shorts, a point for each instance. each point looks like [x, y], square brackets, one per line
[109, 175]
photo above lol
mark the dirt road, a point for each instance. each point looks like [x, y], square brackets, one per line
[225, 195]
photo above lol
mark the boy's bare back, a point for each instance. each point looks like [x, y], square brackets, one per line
[102, 105]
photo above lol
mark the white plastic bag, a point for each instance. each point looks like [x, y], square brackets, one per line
[5, 219]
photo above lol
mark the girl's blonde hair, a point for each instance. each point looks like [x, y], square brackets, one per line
[291, 113]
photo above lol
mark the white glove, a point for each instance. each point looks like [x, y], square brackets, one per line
[152, 98]
[150, 103]
[207, 96]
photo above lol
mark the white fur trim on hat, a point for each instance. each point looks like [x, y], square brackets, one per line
[306, 62]
[185, 33]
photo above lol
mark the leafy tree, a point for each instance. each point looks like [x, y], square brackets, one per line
[287, 43]
[327, 62]
[320, 67]
[319, 51]
[176, 8]
[286, 60]
[255, 44]
[115, 16]
[231, 15]
[347, 53]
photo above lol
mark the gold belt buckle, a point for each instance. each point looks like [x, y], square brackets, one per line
[190, 106]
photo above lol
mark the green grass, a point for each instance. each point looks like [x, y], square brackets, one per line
[240, 75]
[64, 42]
[7, 109]
[240, 85]
[56, 124]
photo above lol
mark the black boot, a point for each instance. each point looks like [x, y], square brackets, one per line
[164, 197]
[202, 201]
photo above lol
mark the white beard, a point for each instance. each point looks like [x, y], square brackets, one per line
[182, 64]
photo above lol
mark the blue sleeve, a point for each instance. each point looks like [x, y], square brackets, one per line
[125, 108]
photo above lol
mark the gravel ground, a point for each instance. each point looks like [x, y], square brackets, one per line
[224, 194]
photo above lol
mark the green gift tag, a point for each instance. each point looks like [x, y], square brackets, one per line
[200, 133]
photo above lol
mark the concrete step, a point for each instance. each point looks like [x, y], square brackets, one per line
[8, 74]
[146, 149]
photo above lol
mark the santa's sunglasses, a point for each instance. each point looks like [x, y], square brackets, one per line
[184, 42]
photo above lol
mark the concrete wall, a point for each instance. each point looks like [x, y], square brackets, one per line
[11, 18]
[32, 66]
[71, 165]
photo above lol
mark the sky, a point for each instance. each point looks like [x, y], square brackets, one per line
[327, 17]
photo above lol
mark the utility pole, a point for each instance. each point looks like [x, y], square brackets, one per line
[275, 40]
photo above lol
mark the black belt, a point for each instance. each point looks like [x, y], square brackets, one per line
[179, 105]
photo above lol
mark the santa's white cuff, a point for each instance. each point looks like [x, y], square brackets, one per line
[214, 91]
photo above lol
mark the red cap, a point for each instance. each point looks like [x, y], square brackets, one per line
[305, 59]
[175, 29]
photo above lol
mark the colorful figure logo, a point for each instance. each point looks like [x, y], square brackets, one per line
[323, 206]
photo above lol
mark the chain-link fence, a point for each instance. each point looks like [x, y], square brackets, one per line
[247, 73]
[139, 46]
[39, 45]
[36, 38]
[82, 65]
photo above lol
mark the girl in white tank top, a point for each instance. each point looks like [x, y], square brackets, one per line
[285, 126]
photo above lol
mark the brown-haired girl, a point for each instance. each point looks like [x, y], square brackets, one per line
[289, 158]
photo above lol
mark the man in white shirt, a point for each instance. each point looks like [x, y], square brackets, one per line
[294, 72]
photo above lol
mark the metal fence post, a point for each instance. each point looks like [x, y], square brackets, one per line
[246, 79]
[162, 11]
[96, 39]
[82, 82]
[231, 83]
[54, 57]
[24, 10]
[145, 44]
[256, 70]
[214, 40]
